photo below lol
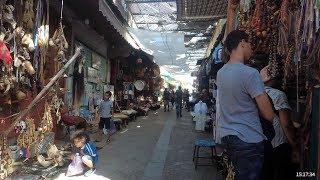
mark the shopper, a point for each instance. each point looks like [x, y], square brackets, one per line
[106, 112]
[178, 102]
[166, 99]
[283, 142]
[200, 110]
[172, 98]
[88, 152]
[186, 97]
[241, 95]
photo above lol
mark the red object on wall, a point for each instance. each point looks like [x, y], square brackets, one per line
[5, 54]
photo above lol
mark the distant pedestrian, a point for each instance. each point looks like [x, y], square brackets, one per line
[166, 99]
[200, 110]
[186, 96]
[106, 112]
[178, 102]
[172, 98]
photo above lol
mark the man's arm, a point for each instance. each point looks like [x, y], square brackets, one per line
[265, 107]
[287, 125]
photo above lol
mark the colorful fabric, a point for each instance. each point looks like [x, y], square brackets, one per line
[5, 54]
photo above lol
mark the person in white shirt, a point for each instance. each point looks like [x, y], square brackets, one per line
[284, 141]
[200, 110]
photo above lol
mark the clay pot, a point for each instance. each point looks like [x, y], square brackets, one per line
[28, 67]
[21, 95]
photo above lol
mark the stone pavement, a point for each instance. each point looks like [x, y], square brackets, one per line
[155, 147]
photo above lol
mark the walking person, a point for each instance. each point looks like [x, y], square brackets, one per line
[240, 97]
[106, 112]
[178, 102]
[186, 97]
[172, 98]
[166, 99]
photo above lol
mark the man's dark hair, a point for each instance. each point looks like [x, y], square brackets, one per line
[234, 38]
[109, 93]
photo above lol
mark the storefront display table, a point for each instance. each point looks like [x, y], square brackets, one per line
[124, 118]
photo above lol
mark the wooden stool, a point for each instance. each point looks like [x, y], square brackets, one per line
[205, 143]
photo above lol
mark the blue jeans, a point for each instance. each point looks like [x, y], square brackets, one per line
[178, 110]
[247, 158]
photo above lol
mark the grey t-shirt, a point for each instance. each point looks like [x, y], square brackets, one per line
[237, 113]
[106, 108]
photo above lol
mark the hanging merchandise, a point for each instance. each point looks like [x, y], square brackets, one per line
[6, 163]
[59, 41]
[139, 85]
[46, 124]
[5, 54]
[57, 103]
[28, 16]
[43, 41]
[7, 16]
[27, 138]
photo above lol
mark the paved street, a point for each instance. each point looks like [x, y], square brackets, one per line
[154, 147]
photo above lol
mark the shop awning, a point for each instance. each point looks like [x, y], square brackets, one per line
[117, 24]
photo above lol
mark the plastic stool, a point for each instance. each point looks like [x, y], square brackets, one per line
[205, 143]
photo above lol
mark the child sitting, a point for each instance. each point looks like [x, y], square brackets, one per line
[88, 152]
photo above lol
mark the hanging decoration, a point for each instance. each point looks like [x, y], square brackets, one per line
[43, 41]
[57, 103]
[46, 124]
[28, 16]
[5, 54]
[28, 135]
[6, 163]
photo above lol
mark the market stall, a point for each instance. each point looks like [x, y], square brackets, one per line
[34, 57]
[137, 80]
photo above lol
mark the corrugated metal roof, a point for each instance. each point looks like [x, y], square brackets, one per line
[201, 9]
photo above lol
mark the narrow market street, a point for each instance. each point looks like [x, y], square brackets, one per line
[160, 89]
[155, 147]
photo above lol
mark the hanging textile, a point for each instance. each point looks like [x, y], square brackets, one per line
[5, 54]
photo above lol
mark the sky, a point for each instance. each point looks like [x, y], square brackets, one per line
[169, 53]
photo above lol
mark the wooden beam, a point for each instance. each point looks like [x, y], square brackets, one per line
[43, 92]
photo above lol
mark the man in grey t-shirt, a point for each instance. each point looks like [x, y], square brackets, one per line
[240, 97]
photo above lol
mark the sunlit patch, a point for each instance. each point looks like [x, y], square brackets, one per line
[124, 131]
[92, 176]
